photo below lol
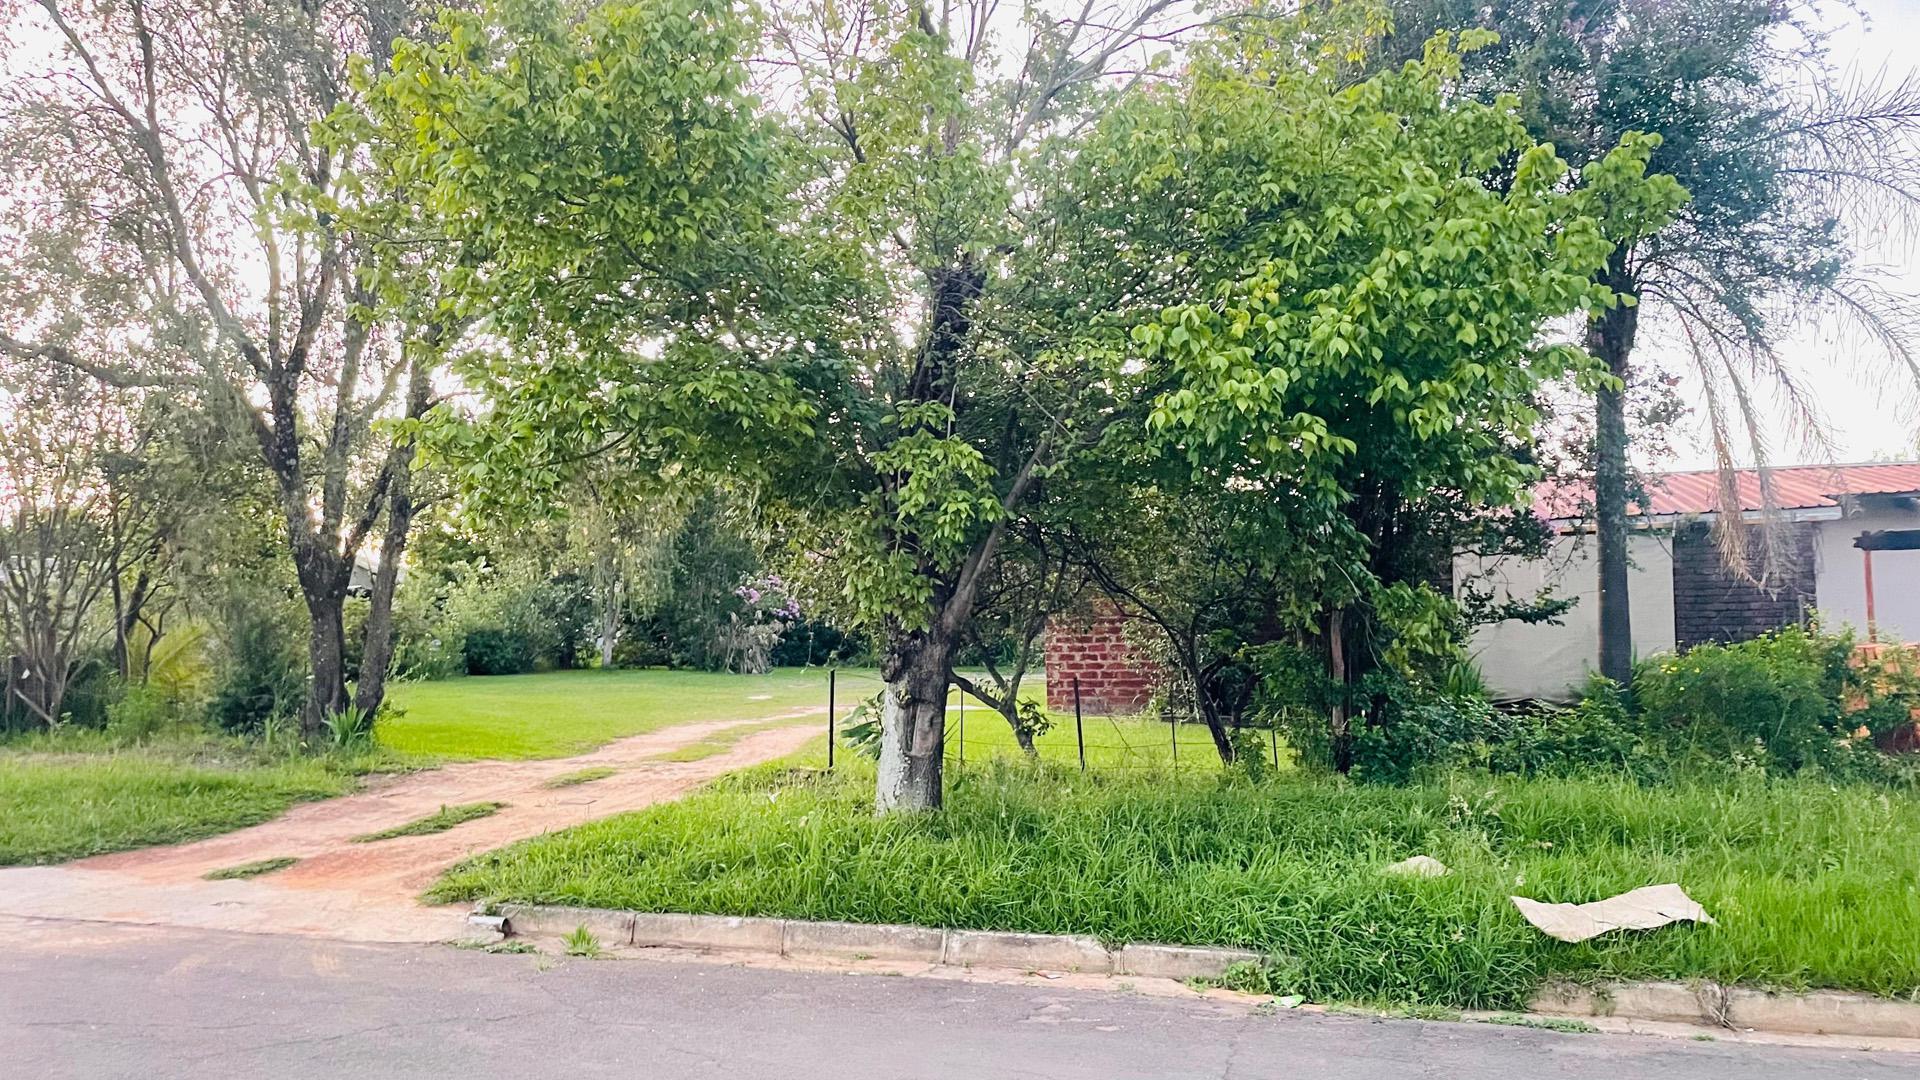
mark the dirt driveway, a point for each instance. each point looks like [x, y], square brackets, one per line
[368, 891]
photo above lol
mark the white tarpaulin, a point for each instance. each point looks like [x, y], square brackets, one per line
[1642, 909]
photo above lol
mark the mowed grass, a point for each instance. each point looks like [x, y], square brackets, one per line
[69, 798]
[558, 713]
[1812, 884]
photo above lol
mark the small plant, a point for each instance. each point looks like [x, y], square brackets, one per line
[582, 776]
[350, 730]
[582, 943]
[442, 820]
[252, 869]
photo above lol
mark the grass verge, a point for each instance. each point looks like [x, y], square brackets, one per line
[580, 776]
[78, 794]
[251, 870]
[1812, 884]
[439, 821]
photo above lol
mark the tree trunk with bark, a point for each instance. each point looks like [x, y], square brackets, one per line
[1610, 339]
[326, 660]
[376, 654]
[913, 722]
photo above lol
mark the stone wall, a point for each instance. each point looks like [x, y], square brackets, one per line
[1711, 603]
[1093, 648]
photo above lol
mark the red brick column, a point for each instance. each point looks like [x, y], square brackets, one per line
[1093, 648]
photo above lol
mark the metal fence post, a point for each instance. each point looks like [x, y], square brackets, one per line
[833, 677]
[1173, 729]
[1079, 730]
[1273, 738]
[963, 727]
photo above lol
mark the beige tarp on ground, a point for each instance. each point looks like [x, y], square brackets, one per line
[1642, 909]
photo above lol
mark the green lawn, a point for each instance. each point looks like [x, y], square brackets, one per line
[68, 798]
[1812, 884]
[559, 713]
[82, 793]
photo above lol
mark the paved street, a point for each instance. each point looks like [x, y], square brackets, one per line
[98, 1002]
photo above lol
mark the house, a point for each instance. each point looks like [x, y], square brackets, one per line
[1848, 551]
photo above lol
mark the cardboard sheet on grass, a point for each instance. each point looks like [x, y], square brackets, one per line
[1648, 908]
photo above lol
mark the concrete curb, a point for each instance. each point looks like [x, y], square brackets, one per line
[863, 941]
[1822, 1012]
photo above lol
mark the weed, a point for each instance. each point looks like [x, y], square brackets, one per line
[440, 821]
[1544, 1023]
[582, 943]
[252, 869]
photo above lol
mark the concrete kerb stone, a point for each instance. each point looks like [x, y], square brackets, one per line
[1030, 952]
[912, 944]
[610, 928]
[709, 932]
[1825, 1012]
[1178, 961]
[1817, 1013]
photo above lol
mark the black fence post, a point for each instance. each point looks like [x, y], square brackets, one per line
[1273, 739]
[1173, 729]
[1079, 729]
[833, 677]
[963, 727]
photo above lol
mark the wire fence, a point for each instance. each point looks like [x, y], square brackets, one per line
[976, 733]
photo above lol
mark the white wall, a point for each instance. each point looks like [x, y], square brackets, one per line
[1539, 660]
[1840, 585]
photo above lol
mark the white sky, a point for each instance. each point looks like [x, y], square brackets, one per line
[1866, 417]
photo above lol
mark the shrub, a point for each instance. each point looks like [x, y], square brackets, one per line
[260, 673]
[499, 650]
[141, 713]
[1778, 701]
[1595, 734]
[1406, 730]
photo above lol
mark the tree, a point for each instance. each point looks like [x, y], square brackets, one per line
[63, 535]
[185, 233]
[1358, 382]
[1788, 169]
[697, 282]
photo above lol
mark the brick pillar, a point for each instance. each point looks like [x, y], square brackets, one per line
[1711, 603]
[1093, 647]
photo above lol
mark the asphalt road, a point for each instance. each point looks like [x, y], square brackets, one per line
[98, 1002]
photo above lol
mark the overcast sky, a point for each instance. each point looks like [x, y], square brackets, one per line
[1866, 417]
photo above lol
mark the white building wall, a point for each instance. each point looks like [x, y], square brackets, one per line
[1840, 584]
[1545, 661]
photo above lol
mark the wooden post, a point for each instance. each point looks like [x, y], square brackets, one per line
[1873, 628]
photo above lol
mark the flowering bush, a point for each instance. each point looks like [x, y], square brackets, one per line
[767, 609]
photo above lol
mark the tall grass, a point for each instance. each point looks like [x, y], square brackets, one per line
[1811, 884]
[75, 793]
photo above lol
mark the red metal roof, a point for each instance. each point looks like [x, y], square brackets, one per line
[1795, 487]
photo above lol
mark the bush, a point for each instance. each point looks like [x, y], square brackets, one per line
[498, 650]
[1594, 735]
[1406, 731]
[141, 713]
[1778, 701]
[260, 672]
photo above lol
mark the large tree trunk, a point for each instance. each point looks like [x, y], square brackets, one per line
[376, 655]
[1610, 338]
[326, 660]
[913, 723]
